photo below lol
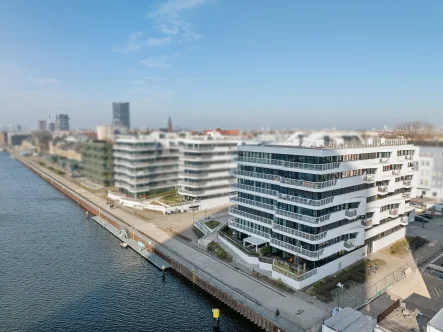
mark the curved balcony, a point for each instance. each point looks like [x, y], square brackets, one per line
[252, 203]
[305, 201]
[383, 190]
[349, 244]
[186, 192]
[393, 212]
[369, 177]
[131, 148]
[296, 217]
[257, 175]
[242, 214]
[296, 233]
[367, 222]
[407, 183]
[135, 156]
[206, 175]
[140, 180]
[308, 184]
[249, 230]
[206, 184]
[296, 250]
[351, 213]
[288, 164]
[244, 187]
[287, 181]
[208, 166]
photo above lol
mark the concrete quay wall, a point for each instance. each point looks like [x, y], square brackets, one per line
[233, 298]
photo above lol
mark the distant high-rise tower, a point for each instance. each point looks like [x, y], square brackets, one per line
[120, 115]
[42, 125]
[51, 126]
[170, 125]
[62, 122]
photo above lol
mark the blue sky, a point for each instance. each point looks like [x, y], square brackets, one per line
[228, 63]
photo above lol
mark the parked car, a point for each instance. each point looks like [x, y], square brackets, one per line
[421, 219]
[426, 215]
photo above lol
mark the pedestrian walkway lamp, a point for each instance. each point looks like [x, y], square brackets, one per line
[339, 285]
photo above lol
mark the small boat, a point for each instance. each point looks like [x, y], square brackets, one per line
[123, 244]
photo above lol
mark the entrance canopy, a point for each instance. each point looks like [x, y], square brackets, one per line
[254, 240]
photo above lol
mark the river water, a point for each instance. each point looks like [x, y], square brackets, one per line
[60, 272]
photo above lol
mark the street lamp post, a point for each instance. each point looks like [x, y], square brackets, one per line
[339, 285]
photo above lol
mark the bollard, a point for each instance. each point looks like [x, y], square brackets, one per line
[163, 273]
[87, 214]
[216, 316]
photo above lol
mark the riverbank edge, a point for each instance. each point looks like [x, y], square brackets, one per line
[177, 263]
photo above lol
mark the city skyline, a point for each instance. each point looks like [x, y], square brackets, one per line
[204, 65]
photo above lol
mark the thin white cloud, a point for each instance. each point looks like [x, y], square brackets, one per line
[174, 7]
[168, 29]
[133, 44]
[157, 42]
[169, 21]
[148, 80]
[157, 62]
[44, 82]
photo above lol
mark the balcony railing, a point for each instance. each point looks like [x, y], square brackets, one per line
[146, 180]
[349, 244]
[369, 177]
[407, 182]
[211, 167]
[292, 275]
[238, 245]
[190, 192]
[198, 148]
[367, 222]
[309, 219]
[308, 184]
[351, 213]
[305, 201]
[396, 172]
[239, 213]
[294, 182]
[297, 233]
[257, 175]
[393, 212]
[404, 221]
[383, 189]
[409, 157]
[406, 195]
[234, 224]
[251, 202]
[256, 189]
[384, 160]
[289, 164]
[297, 250]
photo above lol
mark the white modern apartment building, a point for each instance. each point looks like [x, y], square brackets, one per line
[206, 166]
[430, 184]
[146, 165]
[324, 206]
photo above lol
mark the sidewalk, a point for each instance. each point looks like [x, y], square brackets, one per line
[239, 282]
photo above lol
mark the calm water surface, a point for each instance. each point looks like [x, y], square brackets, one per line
[60, 272]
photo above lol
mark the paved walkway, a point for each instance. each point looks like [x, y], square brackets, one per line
[212, 236]
[238, 281]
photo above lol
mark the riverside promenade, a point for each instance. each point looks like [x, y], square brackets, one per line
[250, 297]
